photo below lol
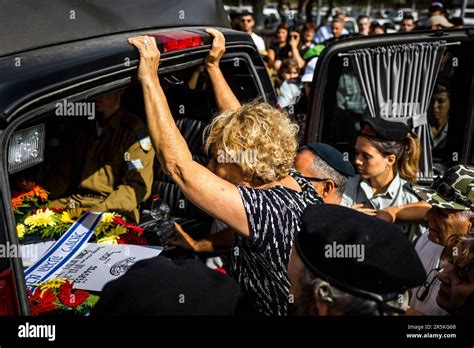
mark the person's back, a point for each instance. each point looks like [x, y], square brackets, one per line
[260, 267]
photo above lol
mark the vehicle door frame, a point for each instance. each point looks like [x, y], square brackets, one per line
[29, 109]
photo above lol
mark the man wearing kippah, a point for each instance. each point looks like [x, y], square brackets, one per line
[340, 264]
[327, 170]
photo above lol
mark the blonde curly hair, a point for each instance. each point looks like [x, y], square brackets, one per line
[258, 128]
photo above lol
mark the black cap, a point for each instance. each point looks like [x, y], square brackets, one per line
[382, 262]
[333, 157]
[377, 127]
[160, 286]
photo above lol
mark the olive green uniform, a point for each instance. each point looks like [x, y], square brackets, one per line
[108, 170]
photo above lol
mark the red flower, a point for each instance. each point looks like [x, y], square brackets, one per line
[119, 221]
[41, 301]
[71, 297]
[132, 238]
[16, 202]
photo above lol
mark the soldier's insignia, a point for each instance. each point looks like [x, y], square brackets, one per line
[126, 156]
[145, 144]
[135, 165]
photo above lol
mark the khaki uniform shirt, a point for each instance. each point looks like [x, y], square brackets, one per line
[359, 191]
[112, 168]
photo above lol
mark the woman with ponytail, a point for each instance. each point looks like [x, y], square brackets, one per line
[386, 159]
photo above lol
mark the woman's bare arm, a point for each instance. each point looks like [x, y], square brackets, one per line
[217, 197]
[225, 98]
[405, 213]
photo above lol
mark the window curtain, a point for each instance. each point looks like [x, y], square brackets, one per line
[397, 83]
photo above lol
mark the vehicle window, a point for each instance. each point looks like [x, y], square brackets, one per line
[192, 103]
[350, 26]
[447, 115]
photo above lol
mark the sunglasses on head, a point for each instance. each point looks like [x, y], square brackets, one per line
[448, 192]
[318, 179]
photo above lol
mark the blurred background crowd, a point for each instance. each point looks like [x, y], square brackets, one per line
[289, 34]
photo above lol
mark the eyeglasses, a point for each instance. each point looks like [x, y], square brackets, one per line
[424, 290]
[318, 179]
[448, 192]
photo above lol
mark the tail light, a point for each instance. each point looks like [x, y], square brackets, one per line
[178, 40]
[8, 300]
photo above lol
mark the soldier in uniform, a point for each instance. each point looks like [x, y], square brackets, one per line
[109, 166]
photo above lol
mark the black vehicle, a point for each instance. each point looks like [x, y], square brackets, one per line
[60, 52]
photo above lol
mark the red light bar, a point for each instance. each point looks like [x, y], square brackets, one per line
[178, 40]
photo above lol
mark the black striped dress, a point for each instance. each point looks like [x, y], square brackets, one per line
[259, 262]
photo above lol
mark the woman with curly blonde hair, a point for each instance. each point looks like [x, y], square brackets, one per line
[249, 184]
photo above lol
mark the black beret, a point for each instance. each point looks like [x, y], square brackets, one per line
[356, 252]
[377, 127]
[160, 286]
[333, 157]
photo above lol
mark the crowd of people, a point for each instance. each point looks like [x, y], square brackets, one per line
[308, 232]
[291, 53]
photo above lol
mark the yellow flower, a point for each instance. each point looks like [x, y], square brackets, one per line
[66, 218]
[20, 230]
[107, 218]
[113, 235]
[41, 218]
[117, 231]
[52, 283]
[108, 240]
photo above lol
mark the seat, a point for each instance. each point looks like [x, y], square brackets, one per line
[192, 111]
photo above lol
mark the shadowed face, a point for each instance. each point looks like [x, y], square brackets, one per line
[247, 23]
[443, 223]
[227, 171]
[282, 35]
[364, 26]
[457, 283]
[308, 35]
[439, 109]
[337, 28]
[407, 25]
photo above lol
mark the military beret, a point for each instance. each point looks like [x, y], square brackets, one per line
[357, 253]
[377, 127]
[333, 157]
[161, 286]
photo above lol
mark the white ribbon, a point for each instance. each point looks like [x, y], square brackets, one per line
[67, 247]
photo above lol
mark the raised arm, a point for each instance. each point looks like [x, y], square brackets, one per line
[225, 98]
[217, 197]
